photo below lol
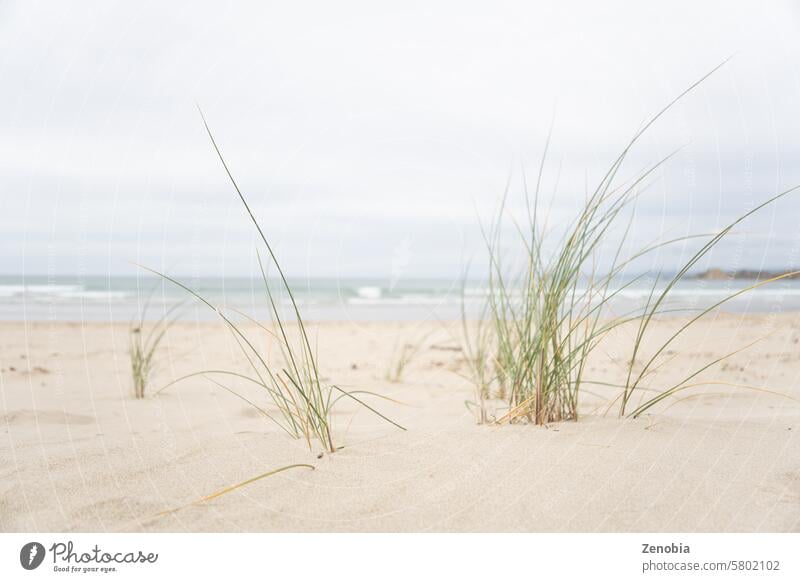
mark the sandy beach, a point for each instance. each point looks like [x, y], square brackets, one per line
[79, 453]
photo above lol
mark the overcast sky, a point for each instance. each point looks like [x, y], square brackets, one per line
[370, 136]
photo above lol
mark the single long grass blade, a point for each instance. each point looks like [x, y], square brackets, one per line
[226, 490]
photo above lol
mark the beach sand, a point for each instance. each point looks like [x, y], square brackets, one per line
[78, 453]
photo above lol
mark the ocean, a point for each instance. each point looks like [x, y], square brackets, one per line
[103, 298]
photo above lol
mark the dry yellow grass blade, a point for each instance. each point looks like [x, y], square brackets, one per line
[729, 385]
[222, 492]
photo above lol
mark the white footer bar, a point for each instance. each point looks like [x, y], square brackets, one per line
[388, 557]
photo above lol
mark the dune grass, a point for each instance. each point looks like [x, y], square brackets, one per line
[300, 402]
[144, 339]
[402, 355]
[545, 317]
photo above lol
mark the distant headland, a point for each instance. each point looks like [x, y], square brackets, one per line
[750, 274]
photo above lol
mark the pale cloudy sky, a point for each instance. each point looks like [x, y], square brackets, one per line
[370, 135]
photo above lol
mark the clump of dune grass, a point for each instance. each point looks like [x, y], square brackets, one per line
[144, 339]
[300, 402]
[545, 315]
[402, 355]
[478, 349]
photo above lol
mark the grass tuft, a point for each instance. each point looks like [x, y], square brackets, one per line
[546, 315]
[143, 342]
[301, 402]
[402, 355]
